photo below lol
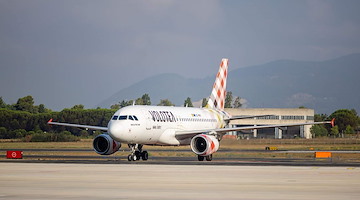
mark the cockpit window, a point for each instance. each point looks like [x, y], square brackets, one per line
[125, 117]
[122, 117]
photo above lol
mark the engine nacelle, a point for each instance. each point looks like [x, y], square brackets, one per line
[204, 145]
[104, 145]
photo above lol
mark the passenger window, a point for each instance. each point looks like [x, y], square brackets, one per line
[130, 117]
[123, 117]
[115, 117]
[135, 118]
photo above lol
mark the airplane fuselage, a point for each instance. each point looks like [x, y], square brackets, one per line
[156, 125]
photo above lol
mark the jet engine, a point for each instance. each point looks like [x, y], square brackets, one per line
[204, 145]
[104, 145]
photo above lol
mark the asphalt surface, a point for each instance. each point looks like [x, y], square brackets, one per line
[48, 157]
[30, 181]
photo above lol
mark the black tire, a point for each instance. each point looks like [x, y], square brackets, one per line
[130, 157]
[137, 155]
[209, 157]
[134, 157]
[145, 155]
[200, 158]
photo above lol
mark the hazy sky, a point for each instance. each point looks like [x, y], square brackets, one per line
[81, 52]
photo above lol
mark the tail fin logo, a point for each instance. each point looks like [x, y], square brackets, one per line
[218, 94]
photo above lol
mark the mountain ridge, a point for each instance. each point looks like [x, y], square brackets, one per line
[322, 85]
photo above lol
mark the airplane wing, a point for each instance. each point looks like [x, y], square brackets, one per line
[223, 131]
[78, 125]
[246, 117]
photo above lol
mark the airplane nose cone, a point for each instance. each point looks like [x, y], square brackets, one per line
[115, 130]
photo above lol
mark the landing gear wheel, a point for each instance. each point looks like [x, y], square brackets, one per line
[133, 157]
[137, 154]
[209, 157]
[144, 155]
[200, 158]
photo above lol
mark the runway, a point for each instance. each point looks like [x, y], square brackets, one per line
[127, 181]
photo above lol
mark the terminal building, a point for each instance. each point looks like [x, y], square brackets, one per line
[278, 116]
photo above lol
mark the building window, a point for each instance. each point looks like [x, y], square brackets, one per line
[292, 117]
[309, 117]
[269, 117]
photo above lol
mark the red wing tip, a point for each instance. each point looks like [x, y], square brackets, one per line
[332, 122]
[50, 120]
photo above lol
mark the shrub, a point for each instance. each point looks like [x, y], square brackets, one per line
[64, 136]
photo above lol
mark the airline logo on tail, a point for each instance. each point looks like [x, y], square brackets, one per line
[218, 94]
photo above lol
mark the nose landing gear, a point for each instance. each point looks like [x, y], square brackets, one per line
[137, 154]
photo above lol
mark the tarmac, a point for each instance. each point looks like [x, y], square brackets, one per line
[62, 156]
[21, 180]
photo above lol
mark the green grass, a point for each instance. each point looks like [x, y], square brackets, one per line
[256, 144]
[294, 144]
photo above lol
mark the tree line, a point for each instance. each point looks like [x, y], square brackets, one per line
[28, 122]
[346, 123]
[230, 102]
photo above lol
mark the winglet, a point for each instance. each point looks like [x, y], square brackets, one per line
[50, 120]
[332, 122]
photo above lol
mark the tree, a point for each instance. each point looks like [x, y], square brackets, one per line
[139, 101]
[19, 133]
[237, 102]
[318, 130]
[78, 107]
[84, 133]
[146, 99]
[115, 106]
[334, 131]
[2, 103]
[228, 100]
[25, 104]
[204, 102]
[320, 117]
[349, 130]
[123, 103]
[165, 102]
[3, 133]
[126, 103]
[188, 103]
[345, 117]
[41, 108]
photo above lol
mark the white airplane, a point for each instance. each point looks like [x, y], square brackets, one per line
[201, 128]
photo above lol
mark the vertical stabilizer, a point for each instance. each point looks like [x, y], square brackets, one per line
[218, 94]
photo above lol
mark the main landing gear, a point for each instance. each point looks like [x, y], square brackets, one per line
[137, 154]
[208, 158]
